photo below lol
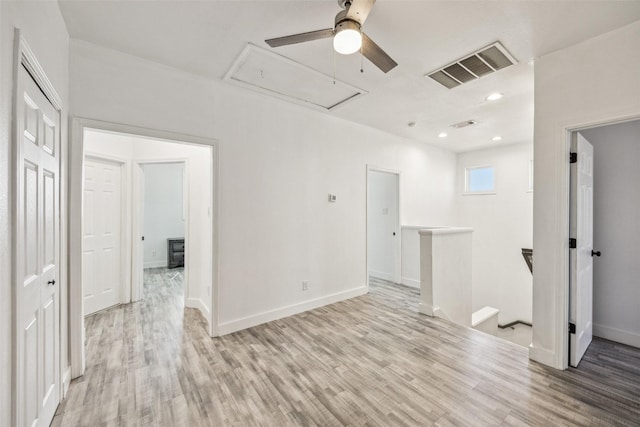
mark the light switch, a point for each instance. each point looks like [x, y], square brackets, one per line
[332, 198]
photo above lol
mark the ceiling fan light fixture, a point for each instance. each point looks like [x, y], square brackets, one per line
[348, 38]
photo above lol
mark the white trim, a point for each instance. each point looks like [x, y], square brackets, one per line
[24, 56]
[544, 356]
[155, 264]
[407, 281]
[617, 335]
[380, 275]
[268, 316]
[199, 305]
[66, 381]
[76, 319]
[479, 193]
[427, 309]
[29, 60]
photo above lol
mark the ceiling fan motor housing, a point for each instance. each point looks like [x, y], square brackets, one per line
[343, 23]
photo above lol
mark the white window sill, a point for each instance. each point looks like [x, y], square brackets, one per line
[479, 193]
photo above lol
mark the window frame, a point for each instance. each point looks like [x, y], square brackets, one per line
[467, 182]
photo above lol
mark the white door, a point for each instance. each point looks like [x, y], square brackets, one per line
[383, 234]
[581, 300]
[38, 252]
[101, 234]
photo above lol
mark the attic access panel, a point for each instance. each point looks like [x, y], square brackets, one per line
[275, 75]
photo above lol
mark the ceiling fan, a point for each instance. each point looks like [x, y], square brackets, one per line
[347, 35]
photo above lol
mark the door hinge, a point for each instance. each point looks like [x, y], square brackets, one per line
[572, 328]
[573, 157]
[142, 237]
[573, 243]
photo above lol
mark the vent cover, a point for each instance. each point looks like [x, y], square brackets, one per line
[464, 124]
[485, 61]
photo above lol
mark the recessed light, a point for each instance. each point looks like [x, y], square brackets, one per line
[497, 138]
[494, 96]
[442, 135]
[411, 124]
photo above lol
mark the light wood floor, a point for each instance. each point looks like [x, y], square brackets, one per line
[369, 361]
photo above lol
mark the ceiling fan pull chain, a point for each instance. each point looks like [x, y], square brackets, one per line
[334, 67]
[361, 61]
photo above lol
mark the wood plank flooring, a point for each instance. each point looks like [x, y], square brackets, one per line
[368, 361]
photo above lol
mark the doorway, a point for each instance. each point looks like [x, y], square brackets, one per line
[161, 212]
[383, 224]
[196, 208]
[613, 309]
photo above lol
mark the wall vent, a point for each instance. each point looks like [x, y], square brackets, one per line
[471, 67]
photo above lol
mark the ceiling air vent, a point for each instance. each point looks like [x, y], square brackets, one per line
[463, 124]
[485, 61]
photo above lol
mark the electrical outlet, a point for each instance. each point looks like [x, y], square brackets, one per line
[305, 285]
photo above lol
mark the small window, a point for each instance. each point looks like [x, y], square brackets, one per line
[479, 180]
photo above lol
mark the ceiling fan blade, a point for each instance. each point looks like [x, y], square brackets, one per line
[375, 54]
[300, 38]
[359, 10]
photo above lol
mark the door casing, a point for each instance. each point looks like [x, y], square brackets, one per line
[76, 319]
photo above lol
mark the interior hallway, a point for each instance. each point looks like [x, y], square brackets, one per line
[369, 360]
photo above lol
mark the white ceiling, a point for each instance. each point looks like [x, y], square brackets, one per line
[206, 37]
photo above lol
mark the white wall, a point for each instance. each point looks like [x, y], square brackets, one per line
[502, 225]
[278, 162]
[593, 82]
[616, 209]
[382, 222]
[163, 210]
[45, 31]
[198, 175]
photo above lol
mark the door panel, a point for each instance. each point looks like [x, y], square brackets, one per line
[49, 232]
[581, 292]
[30, 375]
[38, 251]
[102, 206]
[30, 221]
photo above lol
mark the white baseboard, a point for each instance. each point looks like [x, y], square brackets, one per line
[268, 316]
[410, 282]
[66, 381]
[617, 335]
[197, 303]
[381, 275]
[544, 356]
[425, 309]
[155, 264]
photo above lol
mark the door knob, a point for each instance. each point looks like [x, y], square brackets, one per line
[51, 282]
[594, 253]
